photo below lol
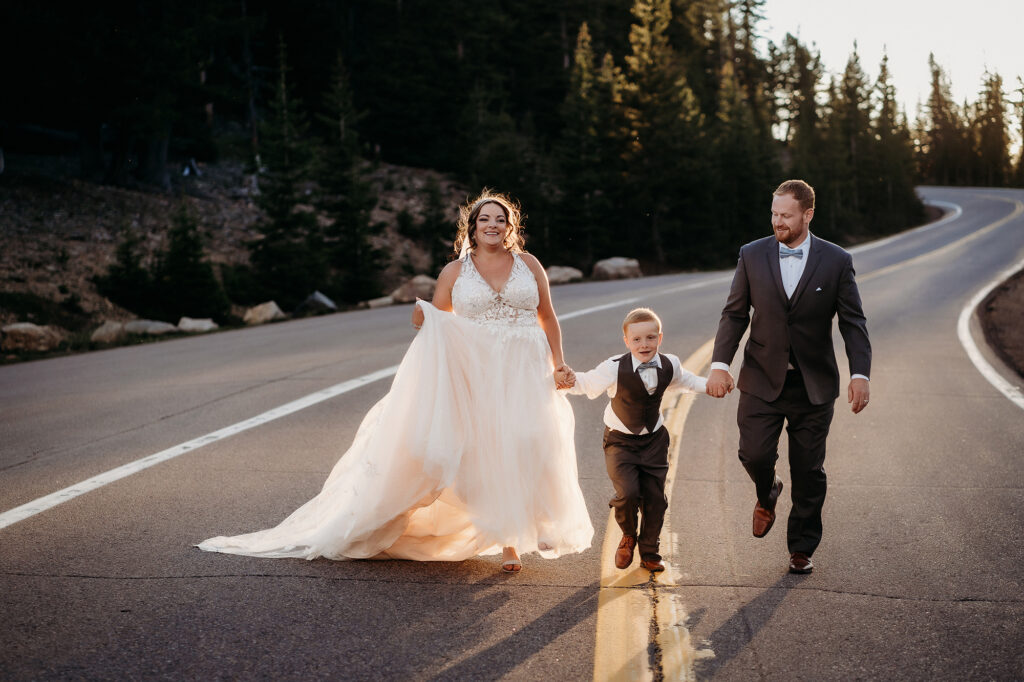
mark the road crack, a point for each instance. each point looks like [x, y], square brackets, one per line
[654, 652]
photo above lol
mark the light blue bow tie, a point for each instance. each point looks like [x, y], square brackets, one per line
[786, 252]
[651, 364]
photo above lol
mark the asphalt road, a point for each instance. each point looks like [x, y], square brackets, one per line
[919, 575]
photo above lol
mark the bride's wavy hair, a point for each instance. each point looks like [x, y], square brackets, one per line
[465, 240]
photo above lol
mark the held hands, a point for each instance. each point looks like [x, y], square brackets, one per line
[720, 382]
[564, 377]
[857, 394]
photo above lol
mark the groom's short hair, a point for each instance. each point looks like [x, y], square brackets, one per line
[801, 191]
[640, 315]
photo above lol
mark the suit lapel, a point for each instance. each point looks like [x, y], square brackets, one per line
[772, 256]
[813, 260]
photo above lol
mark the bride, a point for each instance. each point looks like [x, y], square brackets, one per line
[471, 451]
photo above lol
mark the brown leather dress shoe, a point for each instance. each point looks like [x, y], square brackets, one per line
[624, 554]
[764, 518]
[800, 563]
[652, 565]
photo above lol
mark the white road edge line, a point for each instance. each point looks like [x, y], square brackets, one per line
[52, 500]
[963, 330]
[46, 502]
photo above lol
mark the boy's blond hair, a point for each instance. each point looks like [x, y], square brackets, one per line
[640, 315]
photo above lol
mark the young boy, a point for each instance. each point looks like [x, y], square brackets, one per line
[635, 439]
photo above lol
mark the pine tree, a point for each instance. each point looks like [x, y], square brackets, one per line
[801, 74]
[664, 122]
[699, 34]
[750, 70]
[127, 282]
[744, 172]
[946, 158]
[991, 136]
[892, 192]
[502, 153]
[744, 156]
[183, 279]
[832, 177]
[288, 261]
[179, 282]
[853, 116]
[345, 199]
[585, 168]
[1018, 105]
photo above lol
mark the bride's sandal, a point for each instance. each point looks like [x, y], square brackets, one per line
[511, 565]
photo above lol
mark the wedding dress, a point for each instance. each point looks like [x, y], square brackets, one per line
[471, 450]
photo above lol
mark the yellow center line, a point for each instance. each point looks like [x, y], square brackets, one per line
[641, 633]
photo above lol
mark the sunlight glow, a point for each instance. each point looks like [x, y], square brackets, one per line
[965, 39]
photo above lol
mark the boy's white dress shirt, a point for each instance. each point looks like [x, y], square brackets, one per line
[605, 378]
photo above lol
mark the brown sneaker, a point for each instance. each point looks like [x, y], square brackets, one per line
[624, 554]
[800, 563]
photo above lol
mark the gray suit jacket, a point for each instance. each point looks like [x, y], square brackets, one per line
[803, 323]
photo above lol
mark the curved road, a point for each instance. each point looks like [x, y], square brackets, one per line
[919, 575]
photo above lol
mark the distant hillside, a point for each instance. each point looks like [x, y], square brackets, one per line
[59, 232]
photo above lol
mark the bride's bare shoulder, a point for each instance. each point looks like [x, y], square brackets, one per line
[450, 273]
[535, 267]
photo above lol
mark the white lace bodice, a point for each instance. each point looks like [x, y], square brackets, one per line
[514, 306]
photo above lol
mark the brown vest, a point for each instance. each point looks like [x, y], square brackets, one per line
[632, 404]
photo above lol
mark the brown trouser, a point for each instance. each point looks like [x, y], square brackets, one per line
[637, 466]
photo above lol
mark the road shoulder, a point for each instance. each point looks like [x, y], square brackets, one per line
[1002, 318]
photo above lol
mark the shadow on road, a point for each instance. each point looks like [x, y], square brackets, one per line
[503, 657]
[735, 634]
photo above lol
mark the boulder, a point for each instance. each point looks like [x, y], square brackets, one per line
[263, 313]
[561, 274]
[616, 268]
[381, 302]
[149, 328]
[26, 336]
[317, 304]
[193, 325]
[108, 332]
[420, 286]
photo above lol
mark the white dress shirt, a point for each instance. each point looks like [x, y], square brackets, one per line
[793, 267]
[605, 379]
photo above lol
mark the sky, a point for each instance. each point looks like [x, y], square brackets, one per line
[966, 37]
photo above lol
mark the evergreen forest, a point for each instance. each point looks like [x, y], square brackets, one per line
[654, 129]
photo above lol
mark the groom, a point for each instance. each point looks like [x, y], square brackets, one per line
[796, 284]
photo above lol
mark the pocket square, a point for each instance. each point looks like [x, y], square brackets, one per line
[818, 289]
